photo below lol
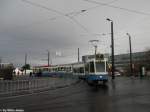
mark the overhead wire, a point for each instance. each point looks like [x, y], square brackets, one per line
[77, 13]
[85, 10]
[79, 24]
[91, 1]
[42, 6]
[117, 7]
[58, 12]
[68, 15]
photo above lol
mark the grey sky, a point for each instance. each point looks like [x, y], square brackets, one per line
[35, 28]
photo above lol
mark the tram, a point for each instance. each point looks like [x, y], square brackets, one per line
[92, 71]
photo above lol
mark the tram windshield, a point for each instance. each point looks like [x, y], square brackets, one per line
[92, 67]
[100, 66]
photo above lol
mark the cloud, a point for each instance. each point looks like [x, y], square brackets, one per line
[28, 29]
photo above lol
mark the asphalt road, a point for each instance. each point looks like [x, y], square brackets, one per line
[121, 95]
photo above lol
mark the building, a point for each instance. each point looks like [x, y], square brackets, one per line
[140, 59]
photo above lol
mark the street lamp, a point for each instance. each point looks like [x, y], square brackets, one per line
[48, 57]
[112, 48]
[25, 62]
[131, 68]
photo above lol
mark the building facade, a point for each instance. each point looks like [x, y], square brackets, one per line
[139, 60]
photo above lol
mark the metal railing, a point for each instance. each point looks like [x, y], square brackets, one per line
[33, 84]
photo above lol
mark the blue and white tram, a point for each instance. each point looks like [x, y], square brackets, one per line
[96, 71]
[93, 71]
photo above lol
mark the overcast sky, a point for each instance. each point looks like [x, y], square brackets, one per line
[62, 26]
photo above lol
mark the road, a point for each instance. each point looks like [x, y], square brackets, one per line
[124, 94]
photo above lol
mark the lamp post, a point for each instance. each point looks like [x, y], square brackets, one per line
[48, 57]
[78, 55]
[112, 48]
[25, 62]
[131, 68]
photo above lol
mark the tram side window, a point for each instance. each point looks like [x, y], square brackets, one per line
[49, 69]
[59, 69]
[56, 69]
[107, 66]
[78, 70]
[45, 69]
[86, 68]
[81, 70]
[92, 67]
[75, 70]
[70, 69]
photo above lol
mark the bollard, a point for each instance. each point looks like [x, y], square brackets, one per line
[18, 85]
[37, 83]
[12, 86]
[34, 83]
[7, 86]
[0, 86]
[28, 84]
[21, 84]
[53, 82]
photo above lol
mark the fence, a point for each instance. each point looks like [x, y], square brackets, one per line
[33, 84]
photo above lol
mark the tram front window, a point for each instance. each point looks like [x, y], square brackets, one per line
[100, 66]
[92, 67]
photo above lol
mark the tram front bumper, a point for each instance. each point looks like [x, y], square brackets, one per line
[97, 77]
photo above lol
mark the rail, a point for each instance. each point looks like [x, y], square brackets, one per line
[33, 84]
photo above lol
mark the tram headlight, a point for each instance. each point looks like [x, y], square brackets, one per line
[100, 76]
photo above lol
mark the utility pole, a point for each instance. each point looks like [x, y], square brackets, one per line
[78, 55]
[25, 62]
[112, 48]
[95, 50]
[48, 57]
[131, 62]
[0, 59]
